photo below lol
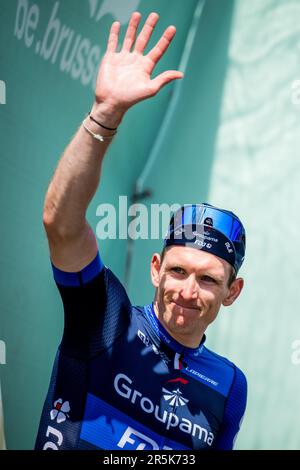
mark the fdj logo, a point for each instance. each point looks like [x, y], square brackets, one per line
[2, 92]
[59, 414]
[138, 440]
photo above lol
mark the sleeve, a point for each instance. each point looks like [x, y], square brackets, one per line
[234, 412]
[96, 309]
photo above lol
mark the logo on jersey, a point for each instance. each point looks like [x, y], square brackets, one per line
[175, 397]
[180, 380]
[140, 440]
[60, 411]
[147, 342]
[200, 430]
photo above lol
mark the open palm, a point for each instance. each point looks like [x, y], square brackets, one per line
[124, 77]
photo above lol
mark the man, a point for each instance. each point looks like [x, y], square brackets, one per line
[138, 377]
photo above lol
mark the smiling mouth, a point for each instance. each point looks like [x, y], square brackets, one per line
[185, 307]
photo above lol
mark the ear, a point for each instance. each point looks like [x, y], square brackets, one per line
[155, 267]
[233, 291]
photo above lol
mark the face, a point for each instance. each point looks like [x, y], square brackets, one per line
[191, 285]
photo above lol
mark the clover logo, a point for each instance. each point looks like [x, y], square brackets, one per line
[60, 410]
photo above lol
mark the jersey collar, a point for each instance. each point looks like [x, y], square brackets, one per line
[167, 338]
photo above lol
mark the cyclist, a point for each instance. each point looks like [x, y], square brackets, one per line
[138, 377]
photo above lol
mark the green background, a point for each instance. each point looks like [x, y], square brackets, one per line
[227, 134]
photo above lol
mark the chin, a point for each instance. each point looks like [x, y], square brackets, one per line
[173, 314]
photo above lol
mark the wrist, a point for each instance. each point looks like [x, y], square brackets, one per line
[107, 114]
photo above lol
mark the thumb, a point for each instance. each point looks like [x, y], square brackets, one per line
[163, 78]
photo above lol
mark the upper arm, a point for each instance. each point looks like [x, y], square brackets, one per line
[96, 307]
[233, 413]
[72, 253]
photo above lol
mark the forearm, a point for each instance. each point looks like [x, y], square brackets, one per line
[77, 175]
[124, 79]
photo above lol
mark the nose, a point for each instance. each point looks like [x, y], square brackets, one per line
[189, 288]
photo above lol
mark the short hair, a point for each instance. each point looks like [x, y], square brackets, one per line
[232, 275]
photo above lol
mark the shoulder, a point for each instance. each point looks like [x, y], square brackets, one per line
[227, 367]
[221, 360]
[138, 311]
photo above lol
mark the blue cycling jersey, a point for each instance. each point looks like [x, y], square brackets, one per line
[120, 381]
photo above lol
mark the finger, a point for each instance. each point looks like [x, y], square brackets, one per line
[160, 48]
[112, 42]
[163, 78]
[131, 31]
[145, 34]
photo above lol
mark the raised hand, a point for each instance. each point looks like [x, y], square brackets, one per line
[124, 77]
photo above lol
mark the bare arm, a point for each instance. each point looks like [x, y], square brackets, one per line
[124, 78]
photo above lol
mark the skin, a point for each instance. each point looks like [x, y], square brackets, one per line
[191, 285]
[124, 79]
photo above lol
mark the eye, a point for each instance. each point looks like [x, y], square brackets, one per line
[178, 270]
[207, 279]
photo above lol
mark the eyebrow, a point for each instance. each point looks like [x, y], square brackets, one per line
[218, 279]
